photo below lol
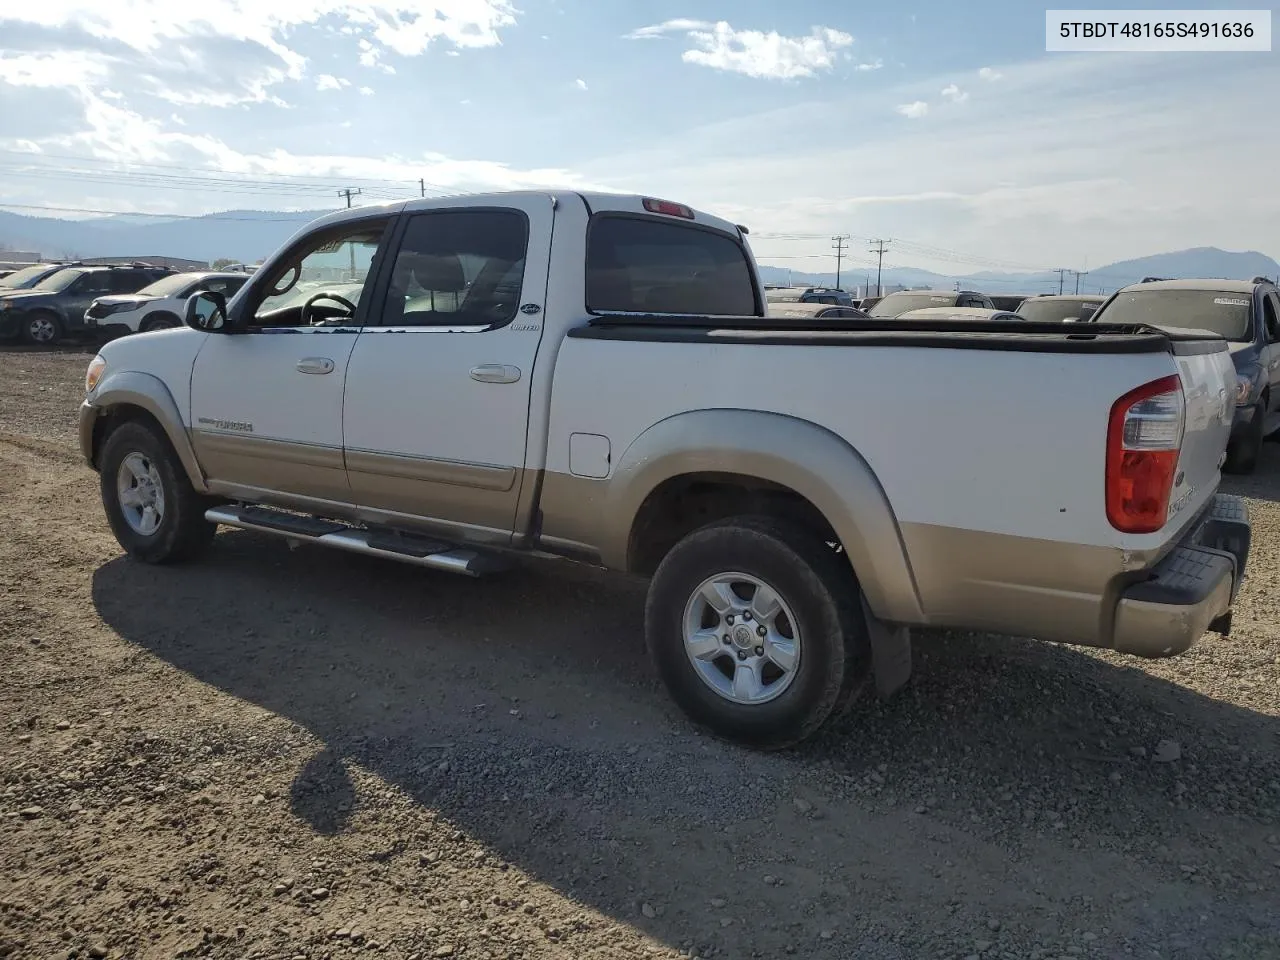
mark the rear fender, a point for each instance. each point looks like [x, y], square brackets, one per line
[796, 454]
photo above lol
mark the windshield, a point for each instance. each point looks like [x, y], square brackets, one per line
[1223, 313]
[59, 281]
[169, 286]
[898, 303]
[1042, 309]
[19, 277]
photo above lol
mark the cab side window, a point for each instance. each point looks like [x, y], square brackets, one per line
[458, 268]
[95, 283]
[1271, 315]
[300, 289]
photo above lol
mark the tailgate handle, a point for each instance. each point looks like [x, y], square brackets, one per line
[495, 373]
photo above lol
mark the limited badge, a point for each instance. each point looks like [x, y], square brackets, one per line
[530, 309]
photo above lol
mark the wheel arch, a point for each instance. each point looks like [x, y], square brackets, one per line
[131, 395]
[780, 458]
[157, 314]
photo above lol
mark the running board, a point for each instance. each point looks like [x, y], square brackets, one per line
[390, 544]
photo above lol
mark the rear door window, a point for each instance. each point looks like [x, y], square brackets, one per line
[642, 265]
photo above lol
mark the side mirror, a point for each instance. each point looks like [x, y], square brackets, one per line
[207, 312]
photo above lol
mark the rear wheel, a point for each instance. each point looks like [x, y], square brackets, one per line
[42, 328]
[755, 628]
[154, 512]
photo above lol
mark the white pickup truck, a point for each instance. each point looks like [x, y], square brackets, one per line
[594, 377]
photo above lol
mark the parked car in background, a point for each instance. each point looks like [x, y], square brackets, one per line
[866, 303]
[815, 311]
[28, 277]
[1008, 301]
[974, 314]
[54, 308]
[158, 306]
[904, 300]
[1244, 312]
[490, 391]
[831, 295]
[1067, 308]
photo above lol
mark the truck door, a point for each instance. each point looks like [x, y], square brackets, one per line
[437, 401]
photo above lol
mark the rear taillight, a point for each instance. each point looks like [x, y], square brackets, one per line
[1144, 437]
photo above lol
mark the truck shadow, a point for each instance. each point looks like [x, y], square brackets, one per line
[522, 710]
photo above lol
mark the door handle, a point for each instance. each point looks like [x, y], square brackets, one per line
[495, 373]
[315, 365]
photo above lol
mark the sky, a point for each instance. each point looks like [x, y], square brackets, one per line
[943, 127]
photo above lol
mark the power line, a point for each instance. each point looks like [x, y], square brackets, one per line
[878, 250]
[838, 243]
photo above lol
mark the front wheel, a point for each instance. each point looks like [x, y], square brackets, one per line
[1243, 451]
[42, 329]
[754, 626]
[158, 321]
[154, 512]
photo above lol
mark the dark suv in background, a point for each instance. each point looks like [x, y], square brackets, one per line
[54, 308]
[1246, 313]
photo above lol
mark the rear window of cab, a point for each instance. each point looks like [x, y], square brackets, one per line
[645, 265]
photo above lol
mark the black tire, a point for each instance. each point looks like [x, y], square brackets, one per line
[1244, 451]
[158, 321]
[183, 532]
[811, 579]
[42, 329]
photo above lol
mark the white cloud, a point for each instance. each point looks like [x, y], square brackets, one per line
[872, 65]
[580, 84]
[989, 74]
[226, 52]
[954, 93]
[914, 110]
[62, 68]
[366, 91]
[329, 82]
[752, 52]
[1025, 177]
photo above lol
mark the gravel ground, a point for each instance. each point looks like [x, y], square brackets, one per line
[281, 754]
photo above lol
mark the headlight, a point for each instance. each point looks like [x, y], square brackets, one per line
[97, 367]
[1244, 387]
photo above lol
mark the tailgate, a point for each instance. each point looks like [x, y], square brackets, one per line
[1208, 380]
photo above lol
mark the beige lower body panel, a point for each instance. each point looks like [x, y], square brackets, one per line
[1018, 585]
[469, 494]
[303, 469]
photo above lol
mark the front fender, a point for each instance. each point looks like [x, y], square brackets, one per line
[794, 453]
[149, 393]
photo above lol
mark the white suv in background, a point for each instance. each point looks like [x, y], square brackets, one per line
[158, 306]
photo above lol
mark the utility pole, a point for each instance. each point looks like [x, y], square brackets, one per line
[878, 249]
[837, 244]
[1079, 274]
[422, 185]
[351, 248]
[1062, 276]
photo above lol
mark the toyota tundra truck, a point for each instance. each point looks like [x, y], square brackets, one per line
[454, 382]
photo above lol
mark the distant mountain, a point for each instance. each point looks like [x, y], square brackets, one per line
[242, 235]
[249, 235]
[1196, 262]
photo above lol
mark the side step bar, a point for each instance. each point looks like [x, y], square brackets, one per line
[390, 544]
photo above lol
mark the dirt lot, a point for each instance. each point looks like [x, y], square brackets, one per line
[280, 754]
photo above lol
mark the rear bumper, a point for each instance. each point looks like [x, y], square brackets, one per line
[1191, 590]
